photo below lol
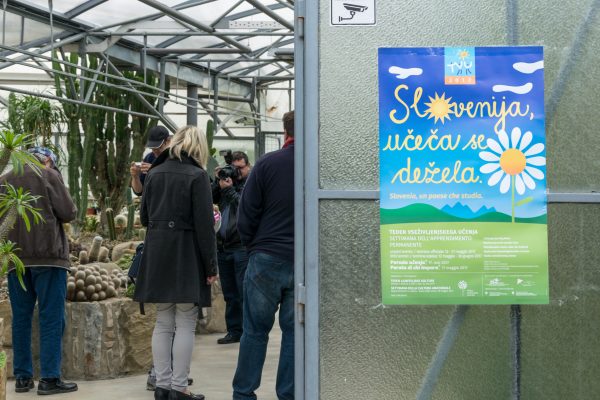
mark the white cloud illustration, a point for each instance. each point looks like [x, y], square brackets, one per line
[403, 73]
[528, 68]
[526, 88]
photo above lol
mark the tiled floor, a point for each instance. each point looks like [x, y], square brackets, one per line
[212, 368]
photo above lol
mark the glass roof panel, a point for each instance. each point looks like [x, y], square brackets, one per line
[61, 6]
[13, 30]
[37, 30]
[114, 11]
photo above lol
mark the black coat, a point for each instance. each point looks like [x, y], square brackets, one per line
[180, 248]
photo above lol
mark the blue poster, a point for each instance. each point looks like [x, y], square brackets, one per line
[463, 213]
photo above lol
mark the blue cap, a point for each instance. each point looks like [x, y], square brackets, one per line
[45, 152]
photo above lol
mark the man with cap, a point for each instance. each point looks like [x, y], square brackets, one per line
[158, 141]
[44, 250]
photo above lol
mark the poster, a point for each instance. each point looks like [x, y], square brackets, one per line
[463, 210]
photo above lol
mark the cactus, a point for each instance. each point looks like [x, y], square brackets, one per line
[95, 250]
[121, 221]
[110, 220]
[142, 233]
[130, 221]
[103, 254]
[90, 283]
[111, 140]
[83, 257]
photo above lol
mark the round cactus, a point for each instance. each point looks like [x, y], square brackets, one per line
[93, 283]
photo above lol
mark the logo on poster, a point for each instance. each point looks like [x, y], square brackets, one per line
[459, 65]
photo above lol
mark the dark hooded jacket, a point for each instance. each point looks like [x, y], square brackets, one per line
[180, 248]
[46, 243]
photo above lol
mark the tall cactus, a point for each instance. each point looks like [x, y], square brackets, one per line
[110, 221]
[112, 140]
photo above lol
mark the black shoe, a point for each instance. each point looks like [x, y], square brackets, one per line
[24, 385]
[228, 339]
[161, 393]
[55, 386]
[177, 395]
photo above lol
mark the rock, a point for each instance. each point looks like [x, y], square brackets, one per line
[121, 248]
[214, 321]
[102, 340]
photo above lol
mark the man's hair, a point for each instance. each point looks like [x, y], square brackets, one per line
[191, 140]
[240, 155]
[288, 123]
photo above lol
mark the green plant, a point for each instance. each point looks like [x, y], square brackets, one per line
[111, 140]
[14, 201]
[130, 291]
[125, 261]
[35, 116]
[2, 359]
[91, 223]
[110, 221]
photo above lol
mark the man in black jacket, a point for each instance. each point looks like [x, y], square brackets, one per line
[232, 256]
[266, 227]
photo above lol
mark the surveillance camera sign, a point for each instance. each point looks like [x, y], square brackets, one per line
[352, 12]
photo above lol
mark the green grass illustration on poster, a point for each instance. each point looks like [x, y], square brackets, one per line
[462, 176]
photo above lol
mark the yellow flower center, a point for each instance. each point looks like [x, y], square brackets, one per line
[513, 161]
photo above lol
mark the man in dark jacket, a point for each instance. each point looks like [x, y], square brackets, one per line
[45, 254]
[266, 227]
[158, 141]
[232, 256]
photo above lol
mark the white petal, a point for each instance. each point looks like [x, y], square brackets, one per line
[487, 156]
[505, 185]
[503, 137]
[536, 173]
[495, 178]
[537, 161]
[515, 135]
[490, 167]
[530, 183]
[535, 149]
[493, 145]
[527, 137]
[519, 185]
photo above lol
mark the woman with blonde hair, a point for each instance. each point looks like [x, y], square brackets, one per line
[179, 263]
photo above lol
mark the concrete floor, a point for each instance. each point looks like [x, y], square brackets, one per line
[212, 368]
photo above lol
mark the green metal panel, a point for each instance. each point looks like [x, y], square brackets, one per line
[368, 351]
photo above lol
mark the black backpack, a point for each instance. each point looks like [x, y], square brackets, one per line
[134, 269]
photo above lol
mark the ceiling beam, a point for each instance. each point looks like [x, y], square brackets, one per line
[80, 9]
[177, 15]
[258, 5]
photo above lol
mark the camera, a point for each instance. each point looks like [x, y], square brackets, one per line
[355, 7]
[227, 155]
[228, 171]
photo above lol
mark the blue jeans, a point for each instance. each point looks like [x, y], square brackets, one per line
[47, 286]
[269, 283]
[232, 268]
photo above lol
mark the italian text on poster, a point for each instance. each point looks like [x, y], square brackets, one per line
[463, 175]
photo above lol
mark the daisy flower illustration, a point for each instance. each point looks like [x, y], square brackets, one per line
[512, 163]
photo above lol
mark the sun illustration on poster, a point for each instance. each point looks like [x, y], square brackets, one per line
[512, 164]
[463, 54]
[439, 107]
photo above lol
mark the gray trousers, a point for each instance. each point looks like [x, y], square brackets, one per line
[172, 344]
